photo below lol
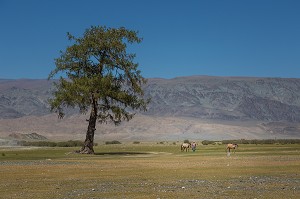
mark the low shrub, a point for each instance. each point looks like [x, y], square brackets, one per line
[113, 142]
[264, 141]
[207, 142]
[69, 143]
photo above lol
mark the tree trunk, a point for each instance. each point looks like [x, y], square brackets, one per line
[88, 145]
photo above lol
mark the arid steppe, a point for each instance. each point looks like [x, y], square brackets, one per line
[151, 170]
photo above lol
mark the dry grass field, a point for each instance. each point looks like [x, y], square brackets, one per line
[151, 170]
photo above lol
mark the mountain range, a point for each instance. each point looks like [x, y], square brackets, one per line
[194, 107]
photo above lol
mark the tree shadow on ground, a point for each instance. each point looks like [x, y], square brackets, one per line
[123, 153]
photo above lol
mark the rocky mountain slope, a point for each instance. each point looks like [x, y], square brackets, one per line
[24, 97]
[198, 107]
[226, 98]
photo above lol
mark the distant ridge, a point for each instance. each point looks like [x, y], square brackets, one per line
[270, 105]
[206, 97]
[226, 98]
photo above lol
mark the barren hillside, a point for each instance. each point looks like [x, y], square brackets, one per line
[197, 107]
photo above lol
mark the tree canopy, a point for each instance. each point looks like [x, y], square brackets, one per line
[100, 76]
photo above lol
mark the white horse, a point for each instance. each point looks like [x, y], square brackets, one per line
[185, 146]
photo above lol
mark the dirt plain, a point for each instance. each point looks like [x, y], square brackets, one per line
[151, 170]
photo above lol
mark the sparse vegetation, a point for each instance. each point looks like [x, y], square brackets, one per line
[264, 141]
[136, 142]
[152, 171]
[254, 141]
[70, 143]
[113, 142]
[207, 142]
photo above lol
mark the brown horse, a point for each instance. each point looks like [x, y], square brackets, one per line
[231, 146]
[185, 146]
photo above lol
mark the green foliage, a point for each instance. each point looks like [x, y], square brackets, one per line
[100, 74]
[113, 142]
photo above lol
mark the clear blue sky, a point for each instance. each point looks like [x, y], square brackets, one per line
[180, 38]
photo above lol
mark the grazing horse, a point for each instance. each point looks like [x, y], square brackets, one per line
[185, 146]
[231, 146]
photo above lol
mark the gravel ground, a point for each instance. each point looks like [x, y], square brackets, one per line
[37, 162]
[153, 176]
[252, 187]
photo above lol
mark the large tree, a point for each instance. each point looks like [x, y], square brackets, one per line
[100, 77]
